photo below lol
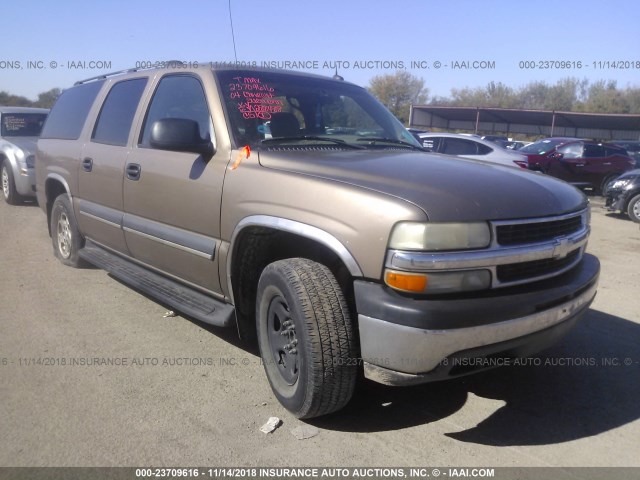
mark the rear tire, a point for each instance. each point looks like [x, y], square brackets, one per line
[306, 337]
[65, 236]
[9, 191]
[633, 209]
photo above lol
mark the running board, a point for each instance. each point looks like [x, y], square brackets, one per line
[182, 298]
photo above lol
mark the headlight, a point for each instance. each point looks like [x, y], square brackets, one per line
[31, 161]
[440, 236]
[586, 216]
[620, 183]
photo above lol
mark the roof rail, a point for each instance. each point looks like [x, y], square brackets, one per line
[128, 70]
[105, 75]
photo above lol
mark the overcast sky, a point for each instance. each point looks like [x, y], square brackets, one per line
[53, 44]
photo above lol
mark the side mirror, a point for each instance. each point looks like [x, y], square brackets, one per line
[180, 135]
[556, 156]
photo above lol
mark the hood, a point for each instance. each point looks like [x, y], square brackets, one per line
[630, 173]
[26, 144]
[447, 189]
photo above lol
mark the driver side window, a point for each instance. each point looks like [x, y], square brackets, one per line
[573, 150]
[178, 96]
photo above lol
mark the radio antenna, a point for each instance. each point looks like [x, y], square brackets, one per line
[233, 37]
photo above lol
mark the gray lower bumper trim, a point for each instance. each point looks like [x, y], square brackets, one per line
[412, 351]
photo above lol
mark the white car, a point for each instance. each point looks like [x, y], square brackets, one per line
[472, 147]
[19, 131]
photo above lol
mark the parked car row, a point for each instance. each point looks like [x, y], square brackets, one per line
[475, 148]
[583, 163]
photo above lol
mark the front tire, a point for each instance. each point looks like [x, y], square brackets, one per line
[633, 209]
[605, 183]
[65, 236]
[306, 337]
[9, 191]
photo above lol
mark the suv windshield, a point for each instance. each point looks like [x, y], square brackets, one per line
[273, 108]
[22, 124]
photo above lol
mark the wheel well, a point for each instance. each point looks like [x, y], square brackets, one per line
[53, 188]
[257, 247]
[630, 197]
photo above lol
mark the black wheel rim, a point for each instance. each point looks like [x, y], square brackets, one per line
[282, 340]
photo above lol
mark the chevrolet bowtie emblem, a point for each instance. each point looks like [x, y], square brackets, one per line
[562, 247]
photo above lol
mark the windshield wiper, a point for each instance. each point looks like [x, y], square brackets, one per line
[314, 138]
[373, 140]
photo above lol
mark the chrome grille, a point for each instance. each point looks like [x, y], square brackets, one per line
[514, 272]
[523, 233]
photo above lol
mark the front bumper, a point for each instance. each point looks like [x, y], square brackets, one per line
[25, 180]
[407, 341]
[616, 200]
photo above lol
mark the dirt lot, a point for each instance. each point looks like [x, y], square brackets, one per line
[184, 394]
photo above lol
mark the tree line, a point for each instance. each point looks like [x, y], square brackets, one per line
[45, 99]
[398, 91]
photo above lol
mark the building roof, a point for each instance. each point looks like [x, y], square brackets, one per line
[545, 123]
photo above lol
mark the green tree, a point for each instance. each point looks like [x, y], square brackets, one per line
[604, 97]
[47, 99]
[398, 92]
[13, 100]
[496, 95]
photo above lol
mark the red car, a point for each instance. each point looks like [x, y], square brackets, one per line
[583, 163]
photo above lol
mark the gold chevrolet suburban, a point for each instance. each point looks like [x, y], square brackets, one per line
[298, 210]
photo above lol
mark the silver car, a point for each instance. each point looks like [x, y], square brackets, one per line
[19, 131]
[473, 147]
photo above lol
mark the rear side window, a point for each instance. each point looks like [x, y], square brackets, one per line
[70, 111]
[458, 146]
[431, 143]
[116, 116]
[609, 151]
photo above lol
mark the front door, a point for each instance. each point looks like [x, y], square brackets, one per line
[172, 199]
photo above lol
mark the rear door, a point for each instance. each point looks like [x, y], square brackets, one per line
[100, 178]
[172, 199]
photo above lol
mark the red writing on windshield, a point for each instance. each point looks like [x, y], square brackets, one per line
[254, 98]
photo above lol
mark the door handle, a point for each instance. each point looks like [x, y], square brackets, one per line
[87, 164]
[133, 171]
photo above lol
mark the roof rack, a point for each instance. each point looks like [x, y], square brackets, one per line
[127, 70]
[105, 75]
